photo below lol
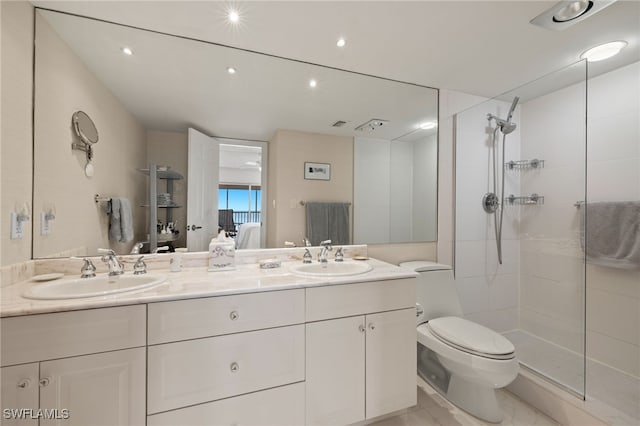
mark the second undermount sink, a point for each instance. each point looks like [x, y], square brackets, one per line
[75, 288]
[331, 269]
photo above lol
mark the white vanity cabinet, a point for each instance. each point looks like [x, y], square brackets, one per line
[360, 351]
[19, 389]
[87, 365]
[235, 359]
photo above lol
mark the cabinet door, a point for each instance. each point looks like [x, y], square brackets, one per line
[101, 389]
[391, 361]
[335, 371]
[19, 392]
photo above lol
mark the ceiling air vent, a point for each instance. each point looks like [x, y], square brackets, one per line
[339, 123]
[371, 125]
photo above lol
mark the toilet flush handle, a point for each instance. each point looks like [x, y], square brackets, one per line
[419, 310]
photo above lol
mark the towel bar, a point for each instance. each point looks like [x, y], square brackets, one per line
[98, 199]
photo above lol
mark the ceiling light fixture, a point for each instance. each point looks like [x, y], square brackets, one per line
[313, 83]
[234, 16]
[572, 10]
[603, 51]
[566, 13]
[127, 51]
[341, 42]
[231, 70]
[428, 125]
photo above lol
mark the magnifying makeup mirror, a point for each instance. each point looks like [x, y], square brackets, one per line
[86, 130]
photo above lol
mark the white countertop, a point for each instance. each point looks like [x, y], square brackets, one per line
[193, 283]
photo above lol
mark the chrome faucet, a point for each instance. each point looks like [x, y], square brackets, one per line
[115, 266]
[88, 269]
[326, 248]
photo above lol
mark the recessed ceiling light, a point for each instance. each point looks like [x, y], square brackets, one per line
[572, 10]
[604, 51]
[428, 125]
[231, 70]
[341, 42]
[234, 16]
[313, 83]
[127, 51]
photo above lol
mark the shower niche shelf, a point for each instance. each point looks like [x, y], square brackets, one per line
[526, 200]
[524, 164]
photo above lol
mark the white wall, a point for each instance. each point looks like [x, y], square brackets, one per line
[17, 132]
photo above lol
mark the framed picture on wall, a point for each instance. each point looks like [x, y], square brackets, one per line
[317, 171]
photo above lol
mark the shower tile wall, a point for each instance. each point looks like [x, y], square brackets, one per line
[552, 291]
[552, 273]
[613, 295]
[488, 291]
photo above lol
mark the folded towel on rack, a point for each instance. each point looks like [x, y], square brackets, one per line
[612, 233]
[328, 221]
[120, 220]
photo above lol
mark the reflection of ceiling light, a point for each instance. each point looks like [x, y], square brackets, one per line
[313, 83]
[572, 10]
[234, 16]
[341, 42]
[371, 125]
[127, 51]
[428, 125]
[251, 163]
[231, 70]
[604, 51]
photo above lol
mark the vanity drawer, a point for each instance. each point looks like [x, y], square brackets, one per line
[203, 370]
[361, 298]
[213, 316]
[48, 336]
[272, 407]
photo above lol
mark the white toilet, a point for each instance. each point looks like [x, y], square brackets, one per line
[463, 360]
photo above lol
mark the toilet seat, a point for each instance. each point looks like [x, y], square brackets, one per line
[471, 338]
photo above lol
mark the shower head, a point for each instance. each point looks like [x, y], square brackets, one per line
[513, 107]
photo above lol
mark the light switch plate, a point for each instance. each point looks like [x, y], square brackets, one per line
[17, 232]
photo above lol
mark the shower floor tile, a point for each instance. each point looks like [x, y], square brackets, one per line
[611, 394]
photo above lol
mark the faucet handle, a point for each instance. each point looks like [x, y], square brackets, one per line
[339, 257]
[88, 269]
[140, 267]
[307, 258]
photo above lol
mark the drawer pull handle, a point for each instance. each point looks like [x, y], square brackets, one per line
[234, 315]
[234, 367]
[361, 328]
[44, 382]
[24, 384]
[372, 326]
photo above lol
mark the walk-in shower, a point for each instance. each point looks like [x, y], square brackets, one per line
[491, 201]
[574, 323]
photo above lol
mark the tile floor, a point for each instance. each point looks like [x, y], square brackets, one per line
[434, 410]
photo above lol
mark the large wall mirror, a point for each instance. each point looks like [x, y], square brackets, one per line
[260, 121]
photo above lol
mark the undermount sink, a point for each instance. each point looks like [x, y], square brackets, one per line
[331, 269]
[74, 288]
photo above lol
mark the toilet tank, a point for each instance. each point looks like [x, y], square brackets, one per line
[436, 292]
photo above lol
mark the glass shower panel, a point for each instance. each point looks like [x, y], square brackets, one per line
[530, 154]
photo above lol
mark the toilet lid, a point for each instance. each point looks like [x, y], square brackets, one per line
[471, 337]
